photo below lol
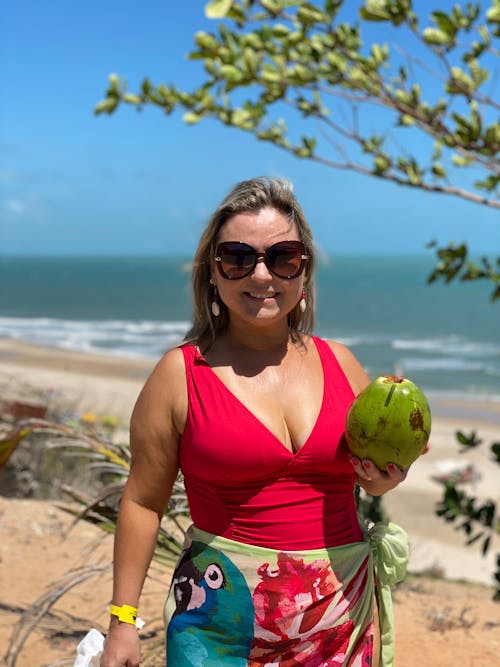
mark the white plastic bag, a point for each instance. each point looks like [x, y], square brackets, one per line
[89, 650]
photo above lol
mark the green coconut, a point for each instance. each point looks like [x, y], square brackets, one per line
[389, 422]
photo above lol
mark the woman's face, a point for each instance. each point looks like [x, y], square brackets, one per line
[261, 297]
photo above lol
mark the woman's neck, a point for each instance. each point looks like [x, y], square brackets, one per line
[243, 336]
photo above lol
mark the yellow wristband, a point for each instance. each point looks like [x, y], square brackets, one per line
[125, 613]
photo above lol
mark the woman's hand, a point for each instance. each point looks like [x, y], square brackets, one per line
[122, 647]
[374, 481]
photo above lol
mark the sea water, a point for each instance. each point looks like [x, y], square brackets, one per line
[446, 338]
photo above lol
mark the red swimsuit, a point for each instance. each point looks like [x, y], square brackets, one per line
[243, 484]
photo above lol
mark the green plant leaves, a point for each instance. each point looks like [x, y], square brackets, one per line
[268, 59]
[437, 37]
[453, 263]
[218, 9]
[477, 520]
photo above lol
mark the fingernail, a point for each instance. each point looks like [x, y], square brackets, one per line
[391, 467]
[367, 465]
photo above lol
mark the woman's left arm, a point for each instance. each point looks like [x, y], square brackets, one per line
[374, 481]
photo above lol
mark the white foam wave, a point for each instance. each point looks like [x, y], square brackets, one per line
[440, 364]
[449, 346]
[471, 395]
[145, 338]
[357, 340]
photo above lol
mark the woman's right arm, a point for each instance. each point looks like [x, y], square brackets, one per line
[155, 430]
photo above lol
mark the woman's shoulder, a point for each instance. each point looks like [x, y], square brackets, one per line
[163, 396]
[339, 349]
[353, 369]
[172, 361]
[166, 378]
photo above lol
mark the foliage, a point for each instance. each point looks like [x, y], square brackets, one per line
[479, 520]
[453, 263]
[110, 461]
[273, 61]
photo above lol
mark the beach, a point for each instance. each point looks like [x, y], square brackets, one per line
[109, 386]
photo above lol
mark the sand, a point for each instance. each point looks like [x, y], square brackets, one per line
[437, 619]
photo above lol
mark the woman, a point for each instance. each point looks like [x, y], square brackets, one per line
[276, 569]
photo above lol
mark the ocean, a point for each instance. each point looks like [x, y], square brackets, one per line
[446, 338]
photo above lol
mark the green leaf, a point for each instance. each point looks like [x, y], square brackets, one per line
[379, 53]
[310, 143]
[270, 74]
[474, 538]
[407, 120]
[206, 41]
[146, 87]
[302, 152]
[461, 160]
[437, 37]
[106, 106]
[438, 170]
[218, 9]
[486, 545]
[191, 118]
[274, 7]
[382, 164]
[242, 118]
[471, 440]
[493, 14]
[489, 184]
[302, 73]
[460, 82]
[479, 74]
[131, 98]
[114, 81]
[375, 10]
[492, 136]
[332, 7]
[310, 15]
[280, 30]
[403, 97]
[444, 23]
[231, 73]
[495, 450]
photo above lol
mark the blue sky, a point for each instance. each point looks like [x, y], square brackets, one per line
[145, 183]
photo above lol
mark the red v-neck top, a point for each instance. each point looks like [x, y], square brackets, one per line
[243, 484]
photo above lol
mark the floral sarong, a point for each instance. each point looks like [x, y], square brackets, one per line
[238, 605]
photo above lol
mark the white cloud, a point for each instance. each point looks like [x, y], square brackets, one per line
[18, 206]
[14, 206]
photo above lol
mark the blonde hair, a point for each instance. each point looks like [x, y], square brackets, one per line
[251, 195]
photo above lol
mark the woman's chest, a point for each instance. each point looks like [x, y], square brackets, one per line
[286, 404]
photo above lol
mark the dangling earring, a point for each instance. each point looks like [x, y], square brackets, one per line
[215, 303]
[302, 302]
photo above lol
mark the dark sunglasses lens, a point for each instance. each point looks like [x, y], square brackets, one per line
[237, 260]
[285, 259]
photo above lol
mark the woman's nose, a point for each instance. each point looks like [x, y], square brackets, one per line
[261, 271]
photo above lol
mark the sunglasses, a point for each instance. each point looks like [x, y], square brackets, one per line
[236, 260]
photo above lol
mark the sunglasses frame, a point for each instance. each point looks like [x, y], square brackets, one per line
[297, 245]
